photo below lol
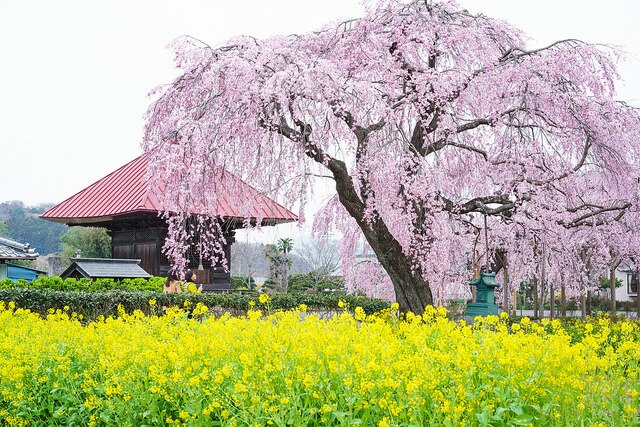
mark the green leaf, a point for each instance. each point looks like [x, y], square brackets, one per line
[483, 418]
[523, 420]
[517, 409]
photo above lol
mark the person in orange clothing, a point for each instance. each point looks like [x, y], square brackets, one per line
[172, 284]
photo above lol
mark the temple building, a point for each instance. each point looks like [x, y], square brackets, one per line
[122, 203]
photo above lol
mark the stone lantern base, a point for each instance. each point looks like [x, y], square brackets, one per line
[481, 309]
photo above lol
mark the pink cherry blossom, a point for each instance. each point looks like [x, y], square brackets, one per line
[428, 119]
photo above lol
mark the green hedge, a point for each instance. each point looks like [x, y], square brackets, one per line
[94, 304]
[97, 285]
[301, 282]
[243, 282]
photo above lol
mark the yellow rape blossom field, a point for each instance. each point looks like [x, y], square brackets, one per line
[295, 368]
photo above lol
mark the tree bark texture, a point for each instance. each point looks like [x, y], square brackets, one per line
[612, 288]
[612, 283]
[505, 289]
[412, 291]
[542, 299]
[543, 278]
[535, 297]
[552, 303]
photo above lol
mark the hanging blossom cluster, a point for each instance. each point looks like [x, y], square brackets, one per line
[429, 120]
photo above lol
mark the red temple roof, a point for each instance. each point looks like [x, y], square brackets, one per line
[125, 192]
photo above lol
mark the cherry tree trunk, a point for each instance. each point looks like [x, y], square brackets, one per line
[535, 297]
[563, 300]
[505, 290]
[552, 302]
[612, 288]
[412, 290]
[542, 296]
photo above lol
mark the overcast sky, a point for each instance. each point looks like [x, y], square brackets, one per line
[74, 75]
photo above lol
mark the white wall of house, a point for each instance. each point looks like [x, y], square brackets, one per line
[623, 293]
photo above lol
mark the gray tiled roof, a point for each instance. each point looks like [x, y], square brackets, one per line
[10, 249]
[106, 267]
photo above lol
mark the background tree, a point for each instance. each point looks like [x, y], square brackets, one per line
[427, 118]
[321, 255]
[247, 259]
[280, 262]
[23, 224]
[313, 282]
[285, 245]
[92, 242]
[243, 282]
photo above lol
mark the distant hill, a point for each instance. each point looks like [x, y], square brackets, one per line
[24, 225]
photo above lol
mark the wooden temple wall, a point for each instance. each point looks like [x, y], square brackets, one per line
[132, 240]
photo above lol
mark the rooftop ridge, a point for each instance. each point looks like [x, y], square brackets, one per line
[107, 260]
[15, 245]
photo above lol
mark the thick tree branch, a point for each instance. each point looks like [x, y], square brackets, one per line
[516, 53]
[344, 183]
[577, 167]
[479, 204]
[581, 220]
[444, 140]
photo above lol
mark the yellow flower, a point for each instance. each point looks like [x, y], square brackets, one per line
[308, 381]
[387, 366]
[152, 302]
[200, 309]
[264, 298]
[254, 314]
